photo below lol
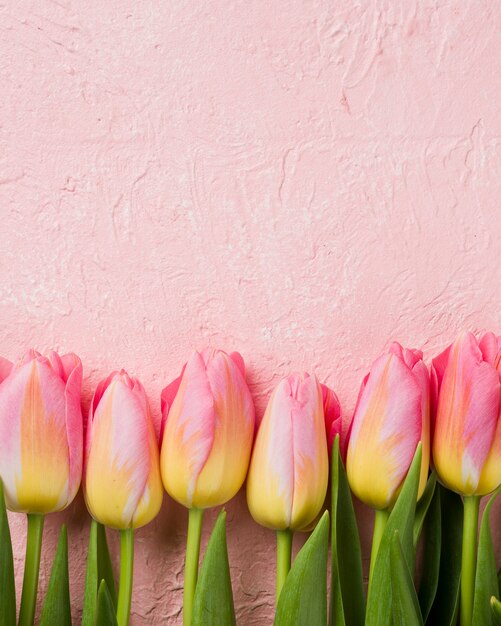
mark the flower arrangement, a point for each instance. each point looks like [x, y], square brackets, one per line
[421, 449]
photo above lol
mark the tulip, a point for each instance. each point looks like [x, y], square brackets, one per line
[288, 473]
[41, 459]
[467, 425]
[208, 428]
[391, 417]
[467, 435]
[122, 483]
[333, 421]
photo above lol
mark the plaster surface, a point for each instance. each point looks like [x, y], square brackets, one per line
[302, 180]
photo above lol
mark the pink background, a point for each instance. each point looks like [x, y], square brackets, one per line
[300, 180]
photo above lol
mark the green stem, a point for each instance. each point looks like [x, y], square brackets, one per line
[284, 553]
[31, 569]
[380, 519]
[195, 519]
[126, 576]
[469, 558]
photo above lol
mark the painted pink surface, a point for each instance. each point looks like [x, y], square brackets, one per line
[303, 181]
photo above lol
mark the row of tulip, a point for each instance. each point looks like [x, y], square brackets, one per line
[207, 445]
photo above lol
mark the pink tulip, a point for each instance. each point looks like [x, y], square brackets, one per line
[41, 431]
[467, 425]
[333, 421]
[289, 468]
[208, 430]
[122, 484]
[391, 417]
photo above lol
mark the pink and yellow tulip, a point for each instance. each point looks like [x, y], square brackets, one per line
[289, 469]
[467, 416]
[209, 422]
[288, 473]
[41, 431]
[122, 484]
[467, 436]
[390, 419]
[208, 428]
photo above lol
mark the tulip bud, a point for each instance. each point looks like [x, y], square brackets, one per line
[208, 429]
[288, 473]
[467, 426]
[391, 417]
[333, 421]
[41, 431]
[122, 484]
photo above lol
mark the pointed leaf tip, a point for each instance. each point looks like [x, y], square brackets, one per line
[304, 595]
[57, 607]
[99, 568]
[495, 611]
[105, 615]
[213, 603]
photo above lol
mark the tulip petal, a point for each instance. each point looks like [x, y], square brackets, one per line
[386, 429]
[5, 368]
[490, 476]
[116, 464]
[270, 483]
[467, 416]
[237, 358]
[54, 360]
[167, 398]
[409, 356]
[96, 399]
[34, 459]
[420, 371]
[438, 365]
[225, 469]
[309, 454]
[189, 432]
[69, 362]
[72, 371]
[121, 456]
[333, 420]
[490, 346]
[208, 417]
[287, 479]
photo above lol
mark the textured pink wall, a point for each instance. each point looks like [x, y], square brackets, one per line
[300, 180]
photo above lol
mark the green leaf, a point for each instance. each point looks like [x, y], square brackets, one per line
[486, 580]
[401, 519]
[445, 607]
[56, 607]
[105, 615]
[431, 555]
[406, 610]
[213, 602]
[98, 568]
[91, 579]
[304, 595]
[105, 567]
[7, 584]
[347, 605]
[496, 611]
[423, 506]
